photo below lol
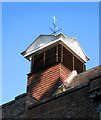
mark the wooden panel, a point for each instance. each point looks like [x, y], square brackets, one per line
[50, 57]
[78, 65]
[59, 53]
[38, 62]
[67, 59]
[32, 64]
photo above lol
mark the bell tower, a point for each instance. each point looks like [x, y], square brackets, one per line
[53, 58]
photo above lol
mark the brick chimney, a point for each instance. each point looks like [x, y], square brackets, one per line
[52, 58]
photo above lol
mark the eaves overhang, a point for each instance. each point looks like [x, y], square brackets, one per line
[52, 41]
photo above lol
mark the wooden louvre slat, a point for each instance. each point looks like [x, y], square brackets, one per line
[67, 59]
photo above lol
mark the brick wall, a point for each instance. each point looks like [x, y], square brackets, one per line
[74, 103]
[17, 108]
[44, 83]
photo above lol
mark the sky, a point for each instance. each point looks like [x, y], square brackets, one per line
[23, 22]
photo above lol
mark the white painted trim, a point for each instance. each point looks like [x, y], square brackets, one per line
[49, 40]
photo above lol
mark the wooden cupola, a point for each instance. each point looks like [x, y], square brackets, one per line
[51, 53]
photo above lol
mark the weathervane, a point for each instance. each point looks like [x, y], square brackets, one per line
[55, 31]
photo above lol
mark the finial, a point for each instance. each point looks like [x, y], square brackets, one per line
[55, 31]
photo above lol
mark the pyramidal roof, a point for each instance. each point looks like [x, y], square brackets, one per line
[43, 42]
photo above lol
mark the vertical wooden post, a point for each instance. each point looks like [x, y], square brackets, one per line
[84, 67]
[73, 63]
[57, 53]
[61, 53]
[44, 59]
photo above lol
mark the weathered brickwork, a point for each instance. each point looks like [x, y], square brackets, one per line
[70, 104]
[95, 82]
[14, 108]
[18, 107]
[44, 83]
